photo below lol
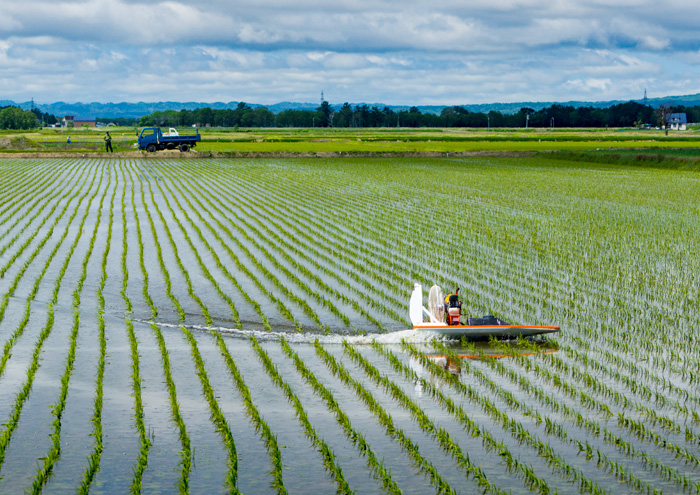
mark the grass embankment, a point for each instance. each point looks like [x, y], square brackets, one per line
[381, 141]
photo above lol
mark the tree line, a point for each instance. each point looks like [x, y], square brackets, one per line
[630, 114]
[15, 118]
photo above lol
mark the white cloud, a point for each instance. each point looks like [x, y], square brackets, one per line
[409, 52]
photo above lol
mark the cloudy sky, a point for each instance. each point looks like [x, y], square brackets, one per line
[389, 51]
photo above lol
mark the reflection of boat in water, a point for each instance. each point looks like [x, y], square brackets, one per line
[476, 328]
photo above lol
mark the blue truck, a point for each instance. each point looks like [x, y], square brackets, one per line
[153, 139]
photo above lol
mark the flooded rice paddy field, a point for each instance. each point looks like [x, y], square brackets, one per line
[226, 326]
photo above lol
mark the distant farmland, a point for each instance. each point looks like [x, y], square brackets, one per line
[240, 325]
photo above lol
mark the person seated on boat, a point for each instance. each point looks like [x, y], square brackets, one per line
[453, 308]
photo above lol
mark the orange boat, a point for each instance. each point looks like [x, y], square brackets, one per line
[434, 318]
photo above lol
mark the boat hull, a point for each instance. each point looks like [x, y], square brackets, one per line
[486, 331]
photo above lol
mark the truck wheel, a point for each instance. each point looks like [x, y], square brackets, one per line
[184, 147]
[151, 148]
[170, 146]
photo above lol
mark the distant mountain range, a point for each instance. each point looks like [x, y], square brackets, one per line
[97, 110]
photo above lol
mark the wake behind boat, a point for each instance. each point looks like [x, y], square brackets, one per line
[444, 316]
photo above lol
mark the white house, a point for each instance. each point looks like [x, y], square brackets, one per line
[677, 122]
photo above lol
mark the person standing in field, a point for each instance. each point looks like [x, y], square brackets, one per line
[108, 142]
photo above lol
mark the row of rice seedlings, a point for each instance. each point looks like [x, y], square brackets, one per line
[223, 268]
[617, 469]
[15, 174]
[22, 196]
[253, 413]
[553, 427]
[637, 428]
[217, 416]
[271, 277]
[633, 384]
[297, 231]
[384, 418]
[54, 453]
[161, 262]
[375, 465]
[326, 453]
[144, 441]
[9, 343]
[440, 435]
[639, 374]
[15, 185]
[31, 237]
[512, 426]
[334, 232]
[95, 457]
[272, 259]
[329, 268]
[243, 227]
[178, 261]
[243, 268]
[139, 237]
[201, 264]
[186, 452]
[21, 397]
